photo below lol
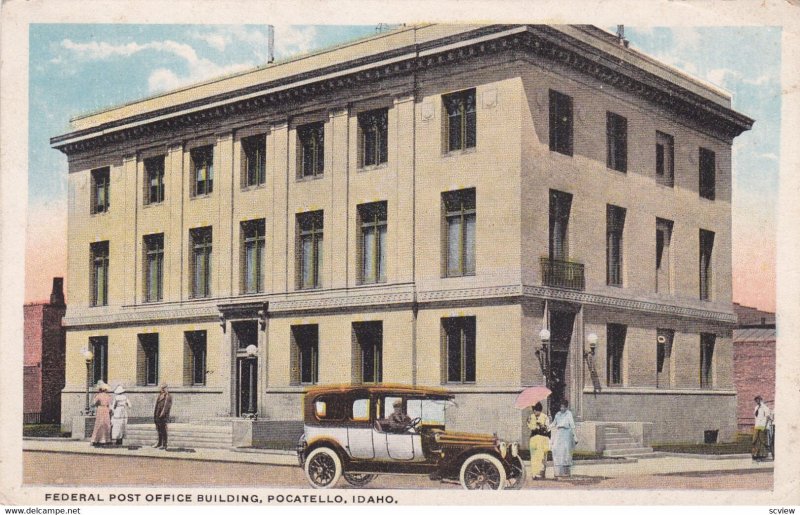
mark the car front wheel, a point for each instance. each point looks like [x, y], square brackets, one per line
[483, 472]
[323, 468]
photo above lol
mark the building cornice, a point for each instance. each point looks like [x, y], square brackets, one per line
[542, 41]
[379, 298]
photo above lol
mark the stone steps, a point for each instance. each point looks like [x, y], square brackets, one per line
[619, 443]
[182, 435]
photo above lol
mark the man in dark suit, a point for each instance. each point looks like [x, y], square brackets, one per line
[161, 416]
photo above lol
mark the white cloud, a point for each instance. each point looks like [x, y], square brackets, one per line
[217, 41]
[294, 40]
[769, 156]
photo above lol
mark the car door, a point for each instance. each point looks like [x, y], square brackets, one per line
[398, 446]
[359, 429]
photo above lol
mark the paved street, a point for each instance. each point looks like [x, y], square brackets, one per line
[71, 466]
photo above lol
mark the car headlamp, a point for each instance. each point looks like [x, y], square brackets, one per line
[503, 447]
[515, 449]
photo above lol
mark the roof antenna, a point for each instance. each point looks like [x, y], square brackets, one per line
[270, 44]
[621, 36]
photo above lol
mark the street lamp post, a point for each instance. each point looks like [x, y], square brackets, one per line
[88, 357]
[543, 353]
[251, 350]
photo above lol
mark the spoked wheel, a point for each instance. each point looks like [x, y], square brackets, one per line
[323, 468]
[516, 477]
[358, 479]
[483, 472]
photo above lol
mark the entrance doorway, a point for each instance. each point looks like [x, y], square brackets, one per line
[245, 341]
[561, 327]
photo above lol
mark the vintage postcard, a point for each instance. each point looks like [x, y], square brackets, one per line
[372, 254]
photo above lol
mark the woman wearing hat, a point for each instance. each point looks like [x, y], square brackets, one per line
[119, 414]
[102, 422]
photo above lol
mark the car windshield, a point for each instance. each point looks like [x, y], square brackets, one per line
[431, 411]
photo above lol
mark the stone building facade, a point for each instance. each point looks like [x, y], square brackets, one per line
[414, 208]
[43, 372]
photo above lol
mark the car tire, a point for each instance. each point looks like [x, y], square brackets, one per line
[358, 479]
[323, 468]
[482, 472]
[517, 476]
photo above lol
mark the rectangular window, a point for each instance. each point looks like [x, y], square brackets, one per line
[706, 264]
[459, 219]
[665, 159]
[460, 120]
[254, 160]
[252, 256]
[99, 280]
[373, 129]
[305, 354]
[560, 205]
[309, 249]
[153, 267]
[147, 360]
[663, 255]
[154, 180]
[368, 352]
[372, 220]
[194, 363]
[101, 190]
[615, 347]
[98, 345]
[707, 341]
[560, 123]
[202, 170]
[617, 142]
[458, 349]
[615, 225]
[708, 168]
[311, 139]
[200, 267]
[663, 357]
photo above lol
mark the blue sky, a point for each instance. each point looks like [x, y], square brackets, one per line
[79, 68]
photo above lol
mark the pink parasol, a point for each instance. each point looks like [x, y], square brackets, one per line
[531, 395]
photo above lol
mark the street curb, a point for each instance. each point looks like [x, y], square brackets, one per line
[704, 456]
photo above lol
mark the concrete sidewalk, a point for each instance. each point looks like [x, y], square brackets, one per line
[658, 464]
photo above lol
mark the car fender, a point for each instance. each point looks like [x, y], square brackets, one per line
[331, 444]
[452, 464]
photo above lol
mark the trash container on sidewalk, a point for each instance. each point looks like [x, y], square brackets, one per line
[710, 435]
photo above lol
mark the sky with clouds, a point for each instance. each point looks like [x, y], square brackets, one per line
[80, 68]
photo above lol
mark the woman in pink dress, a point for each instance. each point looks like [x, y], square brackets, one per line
[102, 422]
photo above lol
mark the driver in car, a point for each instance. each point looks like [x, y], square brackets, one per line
[398, 421]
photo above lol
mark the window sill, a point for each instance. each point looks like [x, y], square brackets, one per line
[370, 168]
[152, 302]
[152, 205]
[460, 152]
[310, 178]
[554, 151]
[98, 213]
[254, 187]
[201, 197]
[458, 276]
[616, 170]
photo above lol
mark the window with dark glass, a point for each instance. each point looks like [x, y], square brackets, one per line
[706, 268]
[201, 261]
[460, 120]
[663, 255]
[153, 267]
[560, 205]
[664, 339]
[311, 140]
[309, 249]
[372, 219]
[305, 354]
[202, 170]
[99, 347]
[101, 190]
[707, 341]
[154, 177]
[459, 217]
[147, 360]
[615, 347]
[665, 159]
[560, 123]
[194, 365]
[254, 153]
[374, 137]
[459, 349]
[99, 257]
[708, 168]
[368, 352]
[253, 238]
[617, 142]
[615, 225]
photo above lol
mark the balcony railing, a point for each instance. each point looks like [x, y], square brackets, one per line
[562, 274]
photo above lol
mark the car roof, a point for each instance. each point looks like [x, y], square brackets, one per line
[383, 388]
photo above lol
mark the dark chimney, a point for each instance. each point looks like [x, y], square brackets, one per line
[57, 295]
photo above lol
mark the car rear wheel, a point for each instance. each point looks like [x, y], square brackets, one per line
[358, 479]
[323, 468]
[483, 472]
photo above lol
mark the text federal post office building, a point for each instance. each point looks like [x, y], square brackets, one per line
[467, 206]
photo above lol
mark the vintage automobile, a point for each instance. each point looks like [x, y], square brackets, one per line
[347, 434]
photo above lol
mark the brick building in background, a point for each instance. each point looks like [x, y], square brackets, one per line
[753, 361]
[44, 357]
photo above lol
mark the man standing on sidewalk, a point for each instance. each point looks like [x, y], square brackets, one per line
[161, 416]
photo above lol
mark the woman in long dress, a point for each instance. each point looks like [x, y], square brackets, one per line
[102, 422]
[119, 416]
[562, 440]
[539, 424]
